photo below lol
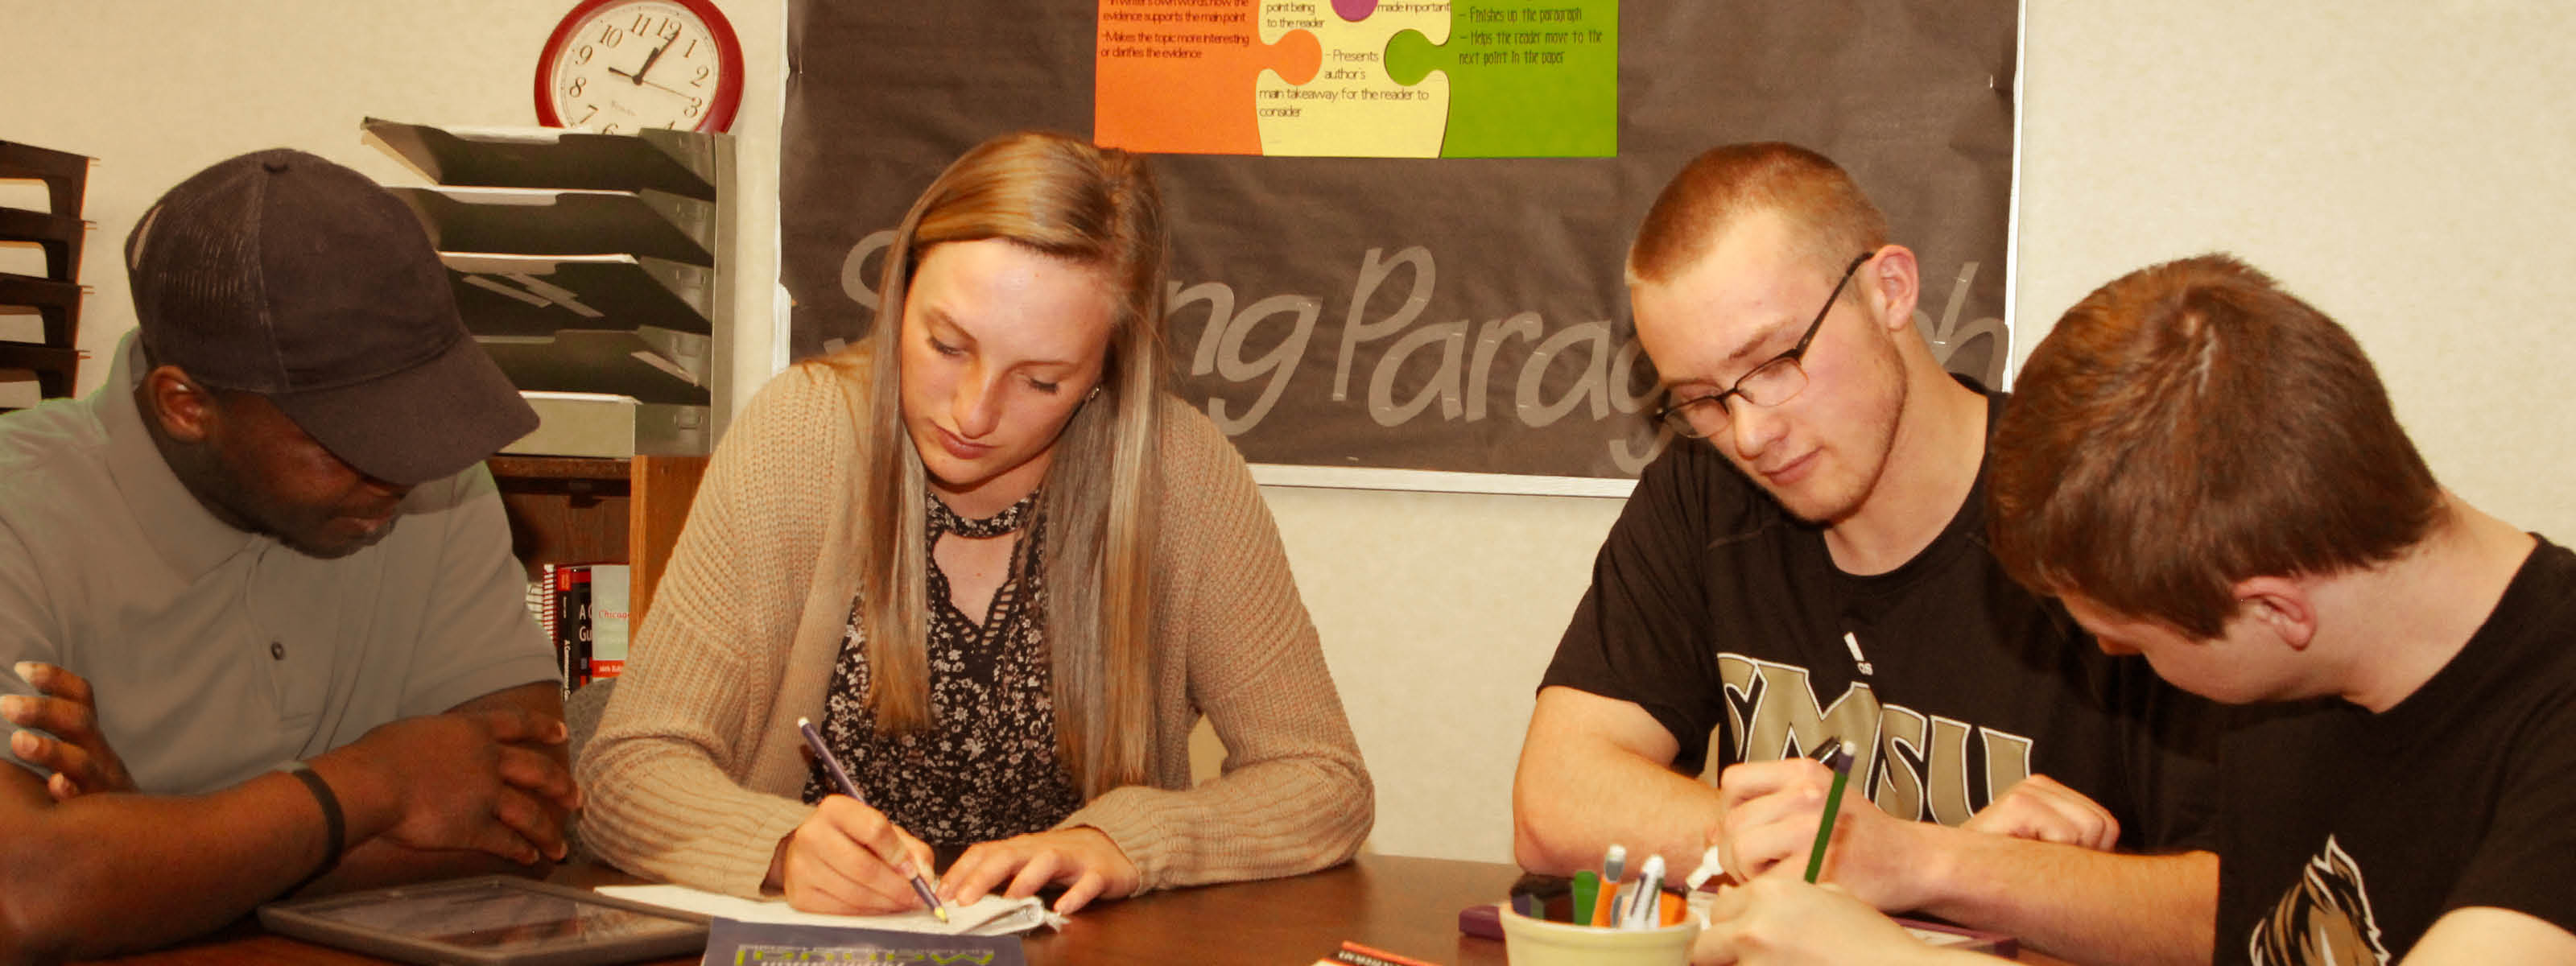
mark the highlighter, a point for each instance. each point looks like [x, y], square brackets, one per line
[1839, 758]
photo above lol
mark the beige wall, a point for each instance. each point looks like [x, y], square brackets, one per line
[2404, 166]
[2397, 163]
[157, 89]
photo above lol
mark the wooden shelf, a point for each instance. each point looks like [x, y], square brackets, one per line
[66, 175]
[569, 510]
[54, 358]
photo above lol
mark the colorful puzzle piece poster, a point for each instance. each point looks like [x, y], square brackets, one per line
[1359, 78]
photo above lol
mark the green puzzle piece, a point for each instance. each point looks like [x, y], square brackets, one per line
[1535, 79]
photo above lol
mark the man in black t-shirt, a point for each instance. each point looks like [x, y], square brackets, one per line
[2207, 470]
[1815, 572]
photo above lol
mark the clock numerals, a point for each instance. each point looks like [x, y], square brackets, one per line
[574, 89]
[610, 36]
[667, 29]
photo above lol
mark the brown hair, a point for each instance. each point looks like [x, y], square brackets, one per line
[1727, 183]
[2191, 425]
[1094, 207]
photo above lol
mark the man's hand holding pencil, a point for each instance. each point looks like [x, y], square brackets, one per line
[1774, 809]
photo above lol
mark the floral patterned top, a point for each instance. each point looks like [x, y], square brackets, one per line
[986, 766]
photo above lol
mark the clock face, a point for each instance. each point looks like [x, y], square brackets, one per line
[619, 66]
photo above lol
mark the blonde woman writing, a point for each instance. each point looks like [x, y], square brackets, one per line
[1004, 572]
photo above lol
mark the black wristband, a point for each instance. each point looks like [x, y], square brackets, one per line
[334, 825]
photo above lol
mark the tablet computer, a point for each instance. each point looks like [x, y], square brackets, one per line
[497, 920]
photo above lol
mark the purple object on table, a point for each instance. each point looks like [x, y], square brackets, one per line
[1486, 919]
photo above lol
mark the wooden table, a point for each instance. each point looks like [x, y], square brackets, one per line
[1401, 905]
[1398, 904]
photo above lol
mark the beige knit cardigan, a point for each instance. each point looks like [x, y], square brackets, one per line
[695, 772]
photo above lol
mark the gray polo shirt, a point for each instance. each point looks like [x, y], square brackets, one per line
[217, 654]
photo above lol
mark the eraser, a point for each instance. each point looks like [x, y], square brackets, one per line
[1484, 920]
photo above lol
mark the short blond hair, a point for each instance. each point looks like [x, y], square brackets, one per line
[1724, 185]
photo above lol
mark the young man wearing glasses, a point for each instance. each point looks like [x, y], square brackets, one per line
[1815, 572]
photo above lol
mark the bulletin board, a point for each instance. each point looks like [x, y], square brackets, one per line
[1398, 225]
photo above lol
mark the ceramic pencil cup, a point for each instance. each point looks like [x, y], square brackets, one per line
[1538, 942]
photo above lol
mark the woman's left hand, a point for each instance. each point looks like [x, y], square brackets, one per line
[1081, 857]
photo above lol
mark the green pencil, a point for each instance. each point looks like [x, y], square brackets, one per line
[1841, 755]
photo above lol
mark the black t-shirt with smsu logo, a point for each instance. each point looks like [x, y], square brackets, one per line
[2344, 835]
[1724, 617]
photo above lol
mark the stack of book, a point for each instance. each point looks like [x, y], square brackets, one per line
[584, 607]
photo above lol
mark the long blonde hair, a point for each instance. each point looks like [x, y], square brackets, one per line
[1096, 207]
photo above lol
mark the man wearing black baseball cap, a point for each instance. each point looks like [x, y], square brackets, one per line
[257, 588]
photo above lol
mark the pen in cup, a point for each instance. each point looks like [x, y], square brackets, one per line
[1614, 865]
[1645, 903]
[832, 766]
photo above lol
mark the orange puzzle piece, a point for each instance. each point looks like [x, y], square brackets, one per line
[1177, 76]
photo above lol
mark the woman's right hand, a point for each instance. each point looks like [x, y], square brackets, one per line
[1783, 920]
[848, 859]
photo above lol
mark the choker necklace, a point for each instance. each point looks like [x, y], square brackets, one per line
[945, 520]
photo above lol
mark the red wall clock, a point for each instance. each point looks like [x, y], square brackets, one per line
[618, 66]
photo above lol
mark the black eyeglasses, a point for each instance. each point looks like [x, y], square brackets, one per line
[1774, 382]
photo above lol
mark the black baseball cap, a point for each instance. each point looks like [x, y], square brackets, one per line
[283, 274]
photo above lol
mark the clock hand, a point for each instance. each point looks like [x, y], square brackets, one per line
[673, 90]
[639, 73]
